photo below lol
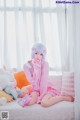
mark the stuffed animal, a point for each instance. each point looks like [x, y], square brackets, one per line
[14, 91]
[21, 79]
[4, 97]
[26, 90]
[6, 79]
[8, 84]
[3, 101]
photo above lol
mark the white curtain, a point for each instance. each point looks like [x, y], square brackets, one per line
[69, 33]
[23, 23]
[77, 61]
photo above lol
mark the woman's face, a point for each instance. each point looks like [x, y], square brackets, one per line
[38, 56]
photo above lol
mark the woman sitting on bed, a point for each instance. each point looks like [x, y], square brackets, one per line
[37, 72]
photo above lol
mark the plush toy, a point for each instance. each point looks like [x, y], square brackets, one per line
[8, 84]
[3, 101]
[26, 90]
[4, 97]
[14, 91]
[21, 79]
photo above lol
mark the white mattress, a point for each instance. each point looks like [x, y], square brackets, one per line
[59, 111]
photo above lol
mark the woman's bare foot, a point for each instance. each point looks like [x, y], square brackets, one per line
[68, 98]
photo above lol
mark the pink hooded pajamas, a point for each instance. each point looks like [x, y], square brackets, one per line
[37, 73]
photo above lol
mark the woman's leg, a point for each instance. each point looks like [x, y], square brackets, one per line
[49, 100]
[34, 97]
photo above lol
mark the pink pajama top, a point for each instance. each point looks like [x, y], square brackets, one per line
[40, 80]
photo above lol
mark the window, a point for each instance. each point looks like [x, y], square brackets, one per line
[24, 22]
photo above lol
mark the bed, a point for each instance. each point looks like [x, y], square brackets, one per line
[60, 111]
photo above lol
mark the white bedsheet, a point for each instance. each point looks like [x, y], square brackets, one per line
[59, 111]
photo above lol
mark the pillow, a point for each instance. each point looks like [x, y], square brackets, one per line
[68, 84]
[21, 79]
[8, 97]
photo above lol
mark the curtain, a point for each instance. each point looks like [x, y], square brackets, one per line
[76, 61]
[69, 33]
[23, 23]
[63, 37]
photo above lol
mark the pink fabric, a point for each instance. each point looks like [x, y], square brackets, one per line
[24, 101]
[54, 88]
[68, 84]
[38, 74]
[56, 81]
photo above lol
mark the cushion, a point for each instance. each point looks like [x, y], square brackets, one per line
[68, 84]
[8, 97]
[21, 79]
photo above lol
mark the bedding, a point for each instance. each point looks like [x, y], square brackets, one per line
[60, 111]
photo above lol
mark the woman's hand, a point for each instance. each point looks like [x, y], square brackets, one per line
[36, 63]
[36, 66]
